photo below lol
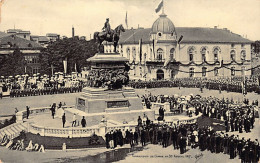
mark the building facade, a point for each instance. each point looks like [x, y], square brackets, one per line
[31, 50]
[166, 52]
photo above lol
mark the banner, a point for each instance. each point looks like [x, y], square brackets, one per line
[65, 63]
[159, 7]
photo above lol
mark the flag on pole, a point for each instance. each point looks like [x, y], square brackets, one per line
[140, 50]
[153, 48]
[126, 23]
[159, 7]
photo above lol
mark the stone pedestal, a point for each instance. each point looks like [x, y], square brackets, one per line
[100, 100]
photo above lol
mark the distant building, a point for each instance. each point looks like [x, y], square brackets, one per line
[43, 40]
[256, 57]
[20, 33]
[166, 52]
[53, 37]
[30, 49]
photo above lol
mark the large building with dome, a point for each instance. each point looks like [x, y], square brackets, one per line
[166, 52]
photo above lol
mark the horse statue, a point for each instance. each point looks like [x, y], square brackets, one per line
[113, 36]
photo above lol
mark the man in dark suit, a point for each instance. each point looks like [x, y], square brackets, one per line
[83, 122]
[63, 120]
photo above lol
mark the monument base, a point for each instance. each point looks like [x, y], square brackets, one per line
[101, 100]
[117, 117]
[122, 105]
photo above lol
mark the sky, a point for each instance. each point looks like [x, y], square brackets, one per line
[87, 16]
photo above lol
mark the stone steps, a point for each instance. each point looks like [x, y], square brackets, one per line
[12, 130]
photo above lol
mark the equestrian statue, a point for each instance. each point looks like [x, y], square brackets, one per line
[108, 35]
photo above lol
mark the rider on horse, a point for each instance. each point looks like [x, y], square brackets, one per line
[107, 28]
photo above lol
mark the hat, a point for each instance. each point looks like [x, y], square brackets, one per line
[107, 18]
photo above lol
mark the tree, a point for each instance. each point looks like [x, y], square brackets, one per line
[12, 64]
[74, 50]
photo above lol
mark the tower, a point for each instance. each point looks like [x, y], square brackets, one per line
[73, 32]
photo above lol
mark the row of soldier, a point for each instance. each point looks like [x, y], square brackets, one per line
[45, 91]
[224, 83]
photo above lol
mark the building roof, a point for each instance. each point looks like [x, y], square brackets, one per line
[190, 35]
[19, 42]
[40, 38]
[163, 24]
[52, 35]
[2, 34]
[13, 30]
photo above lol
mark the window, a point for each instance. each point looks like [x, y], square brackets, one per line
[232, 45]
[232, 71]
[243, 55]
[172, 54]
[204, 69]
[134, 53]
[203, 53]
[35, 70]
[159, 34]
[242, 45]
[128, 53]
[243, 69]
[191, 72]
[191, 52]
[24, 36]
[151, 54]
[216, 71]
[216, 52]
[232, 55]
[159, 54]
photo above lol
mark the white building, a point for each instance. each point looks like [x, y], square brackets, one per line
[165, 52]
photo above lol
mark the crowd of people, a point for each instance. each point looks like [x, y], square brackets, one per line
[231, 84]
[237, 117]
[24, 85]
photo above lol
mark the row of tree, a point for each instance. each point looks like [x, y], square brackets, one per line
[74, 50]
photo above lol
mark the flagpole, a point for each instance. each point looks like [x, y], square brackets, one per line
[162, 7]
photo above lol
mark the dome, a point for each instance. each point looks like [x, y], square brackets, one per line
[163, 24]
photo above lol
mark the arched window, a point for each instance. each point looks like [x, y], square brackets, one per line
[216, 71]
[216, 52]
[159, 54]
[232, 55]
[128, 53]
[232, 71]
[243, 55]
[172, 54]
[191, 52]
[204, 73]
[203, 53]
[191, 72]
